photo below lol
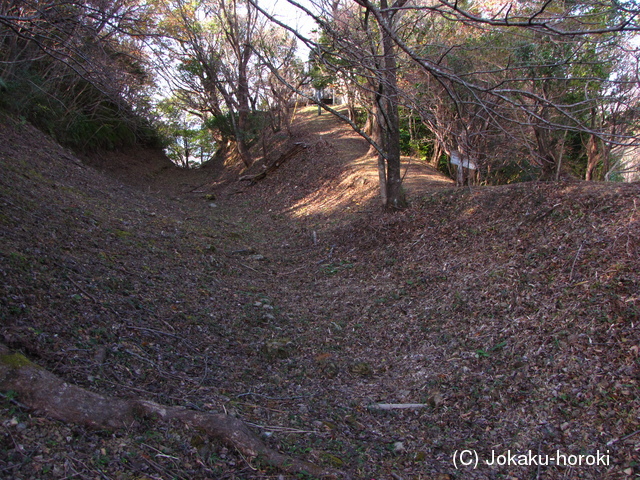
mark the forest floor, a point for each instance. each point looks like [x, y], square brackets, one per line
[509, 313]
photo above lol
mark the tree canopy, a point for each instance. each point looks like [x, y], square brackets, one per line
[504, 91]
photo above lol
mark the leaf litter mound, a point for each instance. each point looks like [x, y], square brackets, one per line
[510, 314]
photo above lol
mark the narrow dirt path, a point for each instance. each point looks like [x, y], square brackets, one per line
[418, 177]
[319, 327]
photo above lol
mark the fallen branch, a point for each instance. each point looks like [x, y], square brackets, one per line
[38, 389]
[396, 406]
[616, 440]
[292, 152]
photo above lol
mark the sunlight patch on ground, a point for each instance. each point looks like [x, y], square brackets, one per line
[356, 189]
[361, 185]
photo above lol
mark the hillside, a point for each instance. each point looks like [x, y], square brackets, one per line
[511, 313]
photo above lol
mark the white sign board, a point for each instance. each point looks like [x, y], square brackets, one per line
[466, 163]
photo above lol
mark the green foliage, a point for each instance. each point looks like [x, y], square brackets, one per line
[223, 125]
[510, 172]
[415, 137]
[321, 75]
[76, 83]
[220, 123]
[76, 115]
[187, 139]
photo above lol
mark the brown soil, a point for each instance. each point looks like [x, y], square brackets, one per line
[295, 304]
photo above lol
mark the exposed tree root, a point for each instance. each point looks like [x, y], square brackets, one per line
[41, 390]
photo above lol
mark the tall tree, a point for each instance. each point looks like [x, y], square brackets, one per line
[505, 86]
[211, 44]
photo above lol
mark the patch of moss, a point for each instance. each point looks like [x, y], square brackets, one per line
[122, 233]
[16, 360]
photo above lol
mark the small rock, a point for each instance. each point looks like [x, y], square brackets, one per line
[420, 456]
[329, 369]
[213, 205]
[398, 447]
[435, 399]
[278, 348]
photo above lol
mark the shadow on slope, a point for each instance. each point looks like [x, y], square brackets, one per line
[114, 291]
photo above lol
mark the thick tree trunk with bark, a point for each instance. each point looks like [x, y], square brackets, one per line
[382, 179]
[395, 193]
[546, 158]
[593, 157]
[243, 108]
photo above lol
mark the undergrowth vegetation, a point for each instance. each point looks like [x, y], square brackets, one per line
[76, 115]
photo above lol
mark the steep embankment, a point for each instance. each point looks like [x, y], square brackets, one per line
[511, 313]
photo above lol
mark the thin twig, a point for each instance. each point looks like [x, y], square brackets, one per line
[154, 331]
[281, 429]
[270, 398]
[291, 271]
[250, 268]
[396, 406]
[621, 439]
[82, 290]
[574, 262]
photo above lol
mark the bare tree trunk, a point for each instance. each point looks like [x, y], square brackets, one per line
[382, 176]
[241, 145]
[187, 152]
[558, 154]
[373, 127]
[437, 153]
[396, 199]
[594, 156]
[459, 176]
[243, 107]
[546, 158]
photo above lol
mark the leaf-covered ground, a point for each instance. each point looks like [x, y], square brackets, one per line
[511, 313]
